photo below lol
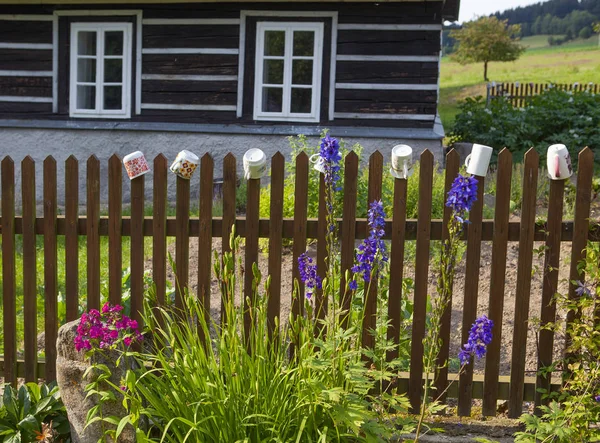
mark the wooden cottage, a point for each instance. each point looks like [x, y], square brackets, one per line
[241, 72]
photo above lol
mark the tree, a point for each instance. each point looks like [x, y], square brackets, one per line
[487, 39]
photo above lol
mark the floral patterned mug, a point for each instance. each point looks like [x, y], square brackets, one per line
[135, 164]
[185, 164]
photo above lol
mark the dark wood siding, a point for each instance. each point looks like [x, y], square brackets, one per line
[400, 53]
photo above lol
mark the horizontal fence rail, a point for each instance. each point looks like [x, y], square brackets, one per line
[519, 93]
[72, 229]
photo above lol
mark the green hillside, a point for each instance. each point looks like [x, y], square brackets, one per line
[575, 61]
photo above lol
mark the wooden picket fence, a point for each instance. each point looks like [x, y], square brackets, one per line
[203, 228]
[519, 93]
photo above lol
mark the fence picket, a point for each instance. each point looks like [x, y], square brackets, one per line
[115, 240]
[523, 288]
[182, 240]
[415, 386]
[397, 266]
[300, 215]
[29, 269]
[137, 248]
[72, 237]
[159, 228]
[452, 168]
[549, 288]
[9, 271]
[275, 238]
[473, 259]
[251, 252]
[93, 236]
[205, 232]
[497, 280]
[50, 267]
[320, 301]
[348, 231]
[370, 312]
[581, 224]
[229, 187]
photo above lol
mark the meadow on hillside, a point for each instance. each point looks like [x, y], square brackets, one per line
[576, 61]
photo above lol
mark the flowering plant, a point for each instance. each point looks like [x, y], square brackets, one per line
[105, 329]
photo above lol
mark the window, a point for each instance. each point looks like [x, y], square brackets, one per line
[101, 70]
[288, 71]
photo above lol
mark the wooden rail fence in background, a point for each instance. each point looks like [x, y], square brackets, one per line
[202, 228]
[519, 93]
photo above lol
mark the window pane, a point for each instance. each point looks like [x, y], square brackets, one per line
[113, 43]
[113, 71]
[113, 97]
[304, 43]
[86, 97]
[274, 42]
[86, 43]
[301, 100]
[86, 70]
[273, 72]
[272, 100]
[302, 72]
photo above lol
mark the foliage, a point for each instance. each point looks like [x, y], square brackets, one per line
[487, 39]
[552, 117]
[573, 414]
[31, 411]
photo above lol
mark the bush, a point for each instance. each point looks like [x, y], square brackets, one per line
[552, 117]
[585, 33]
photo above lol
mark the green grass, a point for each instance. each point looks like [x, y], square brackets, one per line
[576, 61]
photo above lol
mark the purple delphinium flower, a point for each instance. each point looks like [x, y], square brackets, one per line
[597, 398]
[331, 155]
[583, 289]
[372, 251]
[462, 195]
[101, 330]
[308, 274]
[480, 337]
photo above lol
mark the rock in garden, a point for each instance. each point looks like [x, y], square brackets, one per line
[70, 367]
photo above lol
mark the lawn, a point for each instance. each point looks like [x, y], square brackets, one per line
[576, 61]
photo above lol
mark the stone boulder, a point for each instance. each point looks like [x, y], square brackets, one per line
[70, 368]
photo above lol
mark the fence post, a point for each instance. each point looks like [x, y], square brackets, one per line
[300, 215]
[9, 271]
[50, 267]
[137, 247]
[159, 228]
[252, 216]
[182, 240]
[275, 238]
[115, 240]
[348, 231]
[93, 236]
[415, 385]
[205, 234]
[497, 281]
[523, 288]
[72, 237]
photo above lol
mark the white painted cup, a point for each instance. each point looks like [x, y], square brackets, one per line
[478, 161]
[255, 164]
[559, 162]
[185, 164]
[135, 164]
[318, 162]
[402, 161]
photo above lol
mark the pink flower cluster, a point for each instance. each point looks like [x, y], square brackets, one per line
[102, 330]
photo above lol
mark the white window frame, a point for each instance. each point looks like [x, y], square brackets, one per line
[289, 28]
[101, 29]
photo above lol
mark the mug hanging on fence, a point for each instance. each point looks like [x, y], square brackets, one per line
[135, 164]
[559, 162]
[185, 164]
[401, 161]
[318, 162]
[255, 163]
[478, 161]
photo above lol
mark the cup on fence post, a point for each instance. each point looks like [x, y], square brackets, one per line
[318, 162]
[185, 164]
[559, 162]
[135, 164]
[401, 161]
[255, 164]
[478, 161]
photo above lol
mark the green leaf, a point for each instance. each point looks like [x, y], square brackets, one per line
[124, 421]
[29, 424]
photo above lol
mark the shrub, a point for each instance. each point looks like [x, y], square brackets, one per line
[552, 117]
[31, 412]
